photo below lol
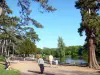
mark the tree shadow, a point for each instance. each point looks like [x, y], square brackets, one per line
[46, 66]
[37, 72]
[80, 72]
[34, 71]
[98, 71]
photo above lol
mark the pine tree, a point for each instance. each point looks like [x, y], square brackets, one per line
[25, 10]
[91, 25]
[18, 29]
[61, 49]
[6, 23]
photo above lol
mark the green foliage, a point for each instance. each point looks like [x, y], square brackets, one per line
[46, 51]
[25, 11]
[91, 25]
[17, 29]
[7, 28]
[45, 57]
[54, 52]
[73, 51]
[61, 49]
[85, 54]
[90, 18]
[27, 47]
[38, 50]
[7, 72]
[2, 58]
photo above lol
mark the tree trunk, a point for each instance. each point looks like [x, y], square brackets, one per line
[3, 47]
[8, 52]
[0, 48]
[92, 61]
[24, 56]
[7, 47]
[13, 49]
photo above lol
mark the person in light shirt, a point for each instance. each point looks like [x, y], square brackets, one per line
[50, 59]
[41, 63]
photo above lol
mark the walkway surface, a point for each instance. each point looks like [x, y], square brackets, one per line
[32, 68]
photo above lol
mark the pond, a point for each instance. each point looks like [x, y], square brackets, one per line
[75, 61]
[70, 61]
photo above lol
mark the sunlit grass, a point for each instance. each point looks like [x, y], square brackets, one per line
[7, 72]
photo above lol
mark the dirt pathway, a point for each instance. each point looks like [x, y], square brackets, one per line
[32, 68]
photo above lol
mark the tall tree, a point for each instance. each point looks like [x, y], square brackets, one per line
[27, 47]
[17, 30]
[91, 25]
[25, 18]
[61, 49]
[7, 22]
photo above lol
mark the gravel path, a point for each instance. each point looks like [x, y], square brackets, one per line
[32, 68]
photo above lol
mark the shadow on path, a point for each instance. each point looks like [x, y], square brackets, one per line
[98, 71]
[79, 72]
[37, 72]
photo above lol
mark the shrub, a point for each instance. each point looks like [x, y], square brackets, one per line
[2, 58]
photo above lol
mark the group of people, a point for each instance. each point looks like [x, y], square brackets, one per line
[41, 62]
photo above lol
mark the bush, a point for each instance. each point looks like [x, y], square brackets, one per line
[2, 58]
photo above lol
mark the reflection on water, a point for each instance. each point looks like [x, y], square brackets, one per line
[72, 61]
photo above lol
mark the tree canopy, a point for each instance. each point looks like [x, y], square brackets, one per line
[14, 30]
[27, 47]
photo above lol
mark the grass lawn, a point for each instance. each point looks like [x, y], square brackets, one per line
[7, 72]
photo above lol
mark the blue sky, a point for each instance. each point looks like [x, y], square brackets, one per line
[64, 22]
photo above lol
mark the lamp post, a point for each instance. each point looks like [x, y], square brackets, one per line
[0, 10]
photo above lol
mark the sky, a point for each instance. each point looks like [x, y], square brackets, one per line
[64, 22]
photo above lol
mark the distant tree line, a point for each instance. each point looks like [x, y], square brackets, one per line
[63, 52]
[74, 52]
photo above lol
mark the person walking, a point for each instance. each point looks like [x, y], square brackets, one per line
[41, 63]
[50, 59]
[56, 62]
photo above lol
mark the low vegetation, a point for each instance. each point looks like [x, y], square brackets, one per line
[7, 72]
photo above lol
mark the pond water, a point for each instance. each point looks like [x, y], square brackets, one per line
[73, 61]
